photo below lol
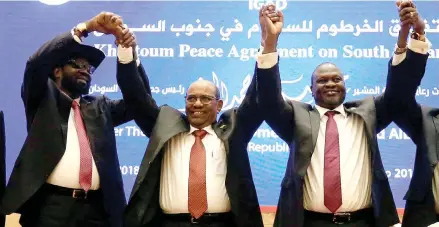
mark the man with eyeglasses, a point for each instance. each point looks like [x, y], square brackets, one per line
[196, 169]
[67, 173]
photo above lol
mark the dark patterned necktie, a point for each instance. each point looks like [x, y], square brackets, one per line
[85, 167]
[332, 180]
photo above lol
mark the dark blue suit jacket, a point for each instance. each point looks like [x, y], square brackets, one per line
[421, 123]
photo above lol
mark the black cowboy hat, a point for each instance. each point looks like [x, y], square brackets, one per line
[93, 55]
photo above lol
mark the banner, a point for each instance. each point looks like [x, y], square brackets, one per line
[181, 41]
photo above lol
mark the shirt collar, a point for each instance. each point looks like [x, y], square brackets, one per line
[323, 110]
[208, 129]
[76, 100]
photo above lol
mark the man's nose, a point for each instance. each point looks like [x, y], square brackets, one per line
[84, 72]
[330, 83]
[198, 102]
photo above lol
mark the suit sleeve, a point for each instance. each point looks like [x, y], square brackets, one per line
[144, 78]
[249, 114]
[119, 112]
[137, 96]
[277, 112]
[402, 83]
[38, 68]
[405, 72]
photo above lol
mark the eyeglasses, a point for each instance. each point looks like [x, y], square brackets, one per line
[204, 99]
[83, 66]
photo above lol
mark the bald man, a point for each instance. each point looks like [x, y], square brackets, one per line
[196, 170]
[335, 176]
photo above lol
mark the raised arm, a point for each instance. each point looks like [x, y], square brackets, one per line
[119, 111]
[41, 64]
[136, 92]
[38, 69]
[249, 115]
[405, 72]
[142, 74]
[277, 113]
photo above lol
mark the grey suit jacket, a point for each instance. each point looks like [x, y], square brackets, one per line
[234, 127]
[298, 125]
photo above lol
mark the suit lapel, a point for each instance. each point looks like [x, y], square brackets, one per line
[64, 104]
[169, 123]
[221, 130]
[169, 127]
[367, 114]
[315, 126]
[430, 137]
[92, 117]
[49, 122]
[306, 137]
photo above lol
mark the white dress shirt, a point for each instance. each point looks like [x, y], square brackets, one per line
[66, 172]
[436, 188]
[355, 162]
[175, 173]
[355, 165]
[175, 167]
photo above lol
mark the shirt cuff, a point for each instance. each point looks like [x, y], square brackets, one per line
[75, 37]
[266, 61]
[125, 55]
[417, 46]
[436, 224]
[398, 58]
[420, 47]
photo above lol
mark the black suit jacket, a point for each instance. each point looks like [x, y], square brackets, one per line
[235, 128]
[421, 123]
[298, 125]
[47, 112]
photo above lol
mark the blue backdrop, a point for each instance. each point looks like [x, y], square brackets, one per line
[181, 41]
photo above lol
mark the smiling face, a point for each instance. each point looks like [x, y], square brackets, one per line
[328, 88]
[202, 104]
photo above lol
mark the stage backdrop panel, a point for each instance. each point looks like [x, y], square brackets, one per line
[181, 41]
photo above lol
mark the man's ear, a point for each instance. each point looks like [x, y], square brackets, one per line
[220, 105]
[57, 73]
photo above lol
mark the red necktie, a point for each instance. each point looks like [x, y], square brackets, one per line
[85, 168]
[197, 197]
[331, 180]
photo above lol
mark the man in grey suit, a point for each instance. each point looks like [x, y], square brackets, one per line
[196, 169]
[334, 175]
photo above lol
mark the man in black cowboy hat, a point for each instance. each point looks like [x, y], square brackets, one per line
[67, 173]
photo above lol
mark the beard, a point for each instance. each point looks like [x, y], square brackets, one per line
[74, 86]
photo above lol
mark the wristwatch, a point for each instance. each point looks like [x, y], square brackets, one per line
[400, 50]
[417, 36]
[81, 30]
